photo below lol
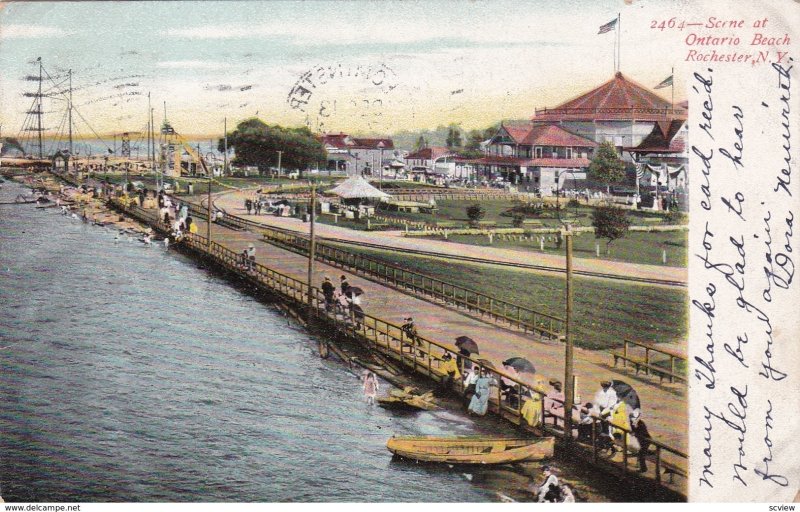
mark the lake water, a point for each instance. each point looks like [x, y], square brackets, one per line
[129, 373]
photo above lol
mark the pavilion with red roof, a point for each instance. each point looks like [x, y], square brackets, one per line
[620, 111]
[559, 142]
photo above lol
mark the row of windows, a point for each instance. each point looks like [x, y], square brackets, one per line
[539, 152]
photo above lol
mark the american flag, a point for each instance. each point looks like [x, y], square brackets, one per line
[666, 83]
[608, 27]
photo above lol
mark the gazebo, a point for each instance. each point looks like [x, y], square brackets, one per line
[357, 188]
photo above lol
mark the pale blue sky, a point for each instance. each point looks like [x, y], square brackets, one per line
[467, 62]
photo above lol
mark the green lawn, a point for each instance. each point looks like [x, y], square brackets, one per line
[636, 247]
[605, 312]
[456, 211]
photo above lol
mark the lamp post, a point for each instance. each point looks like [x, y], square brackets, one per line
[558, 194]
[225, 163]
[381, 145]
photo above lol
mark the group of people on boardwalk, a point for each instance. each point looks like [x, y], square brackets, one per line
[257, 205]
[345, 300]
[551, 490]
[247, 258]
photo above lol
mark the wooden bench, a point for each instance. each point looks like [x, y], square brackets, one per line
[650, 369]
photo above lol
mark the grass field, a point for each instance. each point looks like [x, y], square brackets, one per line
[636, 247]
[450, 211]
[604, 312]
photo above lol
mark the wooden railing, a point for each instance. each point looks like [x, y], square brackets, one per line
[514, 315]
[421, 355]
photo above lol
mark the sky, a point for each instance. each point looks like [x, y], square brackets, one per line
[375, 67]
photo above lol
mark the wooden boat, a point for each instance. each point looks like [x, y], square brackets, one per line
[471, 450]
[407, 400]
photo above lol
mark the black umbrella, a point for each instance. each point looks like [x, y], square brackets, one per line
[354, 290]
[520, 364]
[626, 393]
[468, 344]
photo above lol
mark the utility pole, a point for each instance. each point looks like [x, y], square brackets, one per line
[153, 140]
[312, 247]
[225, 161]
[208, 212]
[569, 389]
[149, 129]
[279, 162]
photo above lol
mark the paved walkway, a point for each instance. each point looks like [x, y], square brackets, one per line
[233, 203]
[663, 406]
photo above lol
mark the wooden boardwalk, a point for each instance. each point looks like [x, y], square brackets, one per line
[664, 406]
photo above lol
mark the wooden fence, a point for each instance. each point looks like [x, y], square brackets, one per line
[513, 315]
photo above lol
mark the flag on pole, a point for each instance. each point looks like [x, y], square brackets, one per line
[666, 83]
[608, 27]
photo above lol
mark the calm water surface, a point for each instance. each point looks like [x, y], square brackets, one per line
[128, 373]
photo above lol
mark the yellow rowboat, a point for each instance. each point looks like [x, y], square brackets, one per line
[471, 450]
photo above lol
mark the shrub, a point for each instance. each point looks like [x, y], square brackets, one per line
[611, 223]
[475, 213]
[517, 220]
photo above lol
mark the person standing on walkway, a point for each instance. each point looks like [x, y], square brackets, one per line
[409, 331]
[248, 205]
[479, 403]
[470, 378]
[642, 435]
[371, 387]
[356, 312]
[604, 401]
[251, 257]
[344, 284]
[554, 401]
[450, 370]
[605, 398]
[327, 291]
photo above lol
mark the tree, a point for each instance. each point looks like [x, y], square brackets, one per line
[257, 143]
[610, 222]
[453, 137]
[421, 143]
[475, 213]
[606, 166]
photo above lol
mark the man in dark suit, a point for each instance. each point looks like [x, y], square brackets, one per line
[640, 432]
